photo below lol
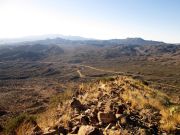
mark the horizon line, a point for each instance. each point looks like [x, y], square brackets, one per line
[85, 38]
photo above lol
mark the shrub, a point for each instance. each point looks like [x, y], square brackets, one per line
[15, 122]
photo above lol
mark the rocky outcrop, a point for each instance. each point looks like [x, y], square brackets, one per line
[122, 106]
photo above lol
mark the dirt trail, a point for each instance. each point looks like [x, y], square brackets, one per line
[91, 67]
[107, 71]
[122, 73]
[80, 74]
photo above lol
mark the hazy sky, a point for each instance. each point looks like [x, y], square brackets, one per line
[104, 19]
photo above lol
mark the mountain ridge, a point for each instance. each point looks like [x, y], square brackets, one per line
[110, 106]
[78, 40]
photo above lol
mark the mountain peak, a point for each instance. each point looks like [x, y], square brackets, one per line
[136, 38]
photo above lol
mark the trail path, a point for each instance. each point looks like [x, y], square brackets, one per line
[91, 67]
[122, 73]
[80, 74]
[102, 70]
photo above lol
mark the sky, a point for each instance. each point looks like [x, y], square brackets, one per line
[100, 19]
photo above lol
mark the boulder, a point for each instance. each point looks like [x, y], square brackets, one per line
[106, 117]
[76, 104]
[89, 130]
[121, 108]
[84, 120]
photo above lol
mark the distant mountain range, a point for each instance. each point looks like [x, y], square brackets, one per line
[78, 50]
[41, 37]
[82, 49]
[76, 40]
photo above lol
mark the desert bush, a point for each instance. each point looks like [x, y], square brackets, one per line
[13, 123]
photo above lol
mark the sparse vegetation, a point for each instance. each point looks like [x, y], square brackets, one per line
[61, 97]
[14, 123]
[151, 106]
[51, 78]
[106, 79]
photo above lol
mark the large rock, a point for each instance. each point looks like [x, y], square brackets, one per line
[76, 104]
[89, 130]
[84, 120]
[106, 117]
[121, 108]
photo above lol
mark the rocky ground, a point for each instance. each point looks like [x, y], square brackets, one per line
[115, 105]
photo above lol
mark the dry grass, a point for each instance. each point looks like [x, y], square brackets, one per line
[169, 120]
[140, 96]
[25, 127]
[66, 117]
[144, 96]
[16, 123]
[58, 109]
[47, 119]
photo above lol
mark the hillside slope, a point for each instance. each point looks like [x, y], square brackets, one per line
[113, 105]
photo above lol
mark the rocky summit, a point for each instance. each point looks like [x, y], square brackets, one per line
[114, 106]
